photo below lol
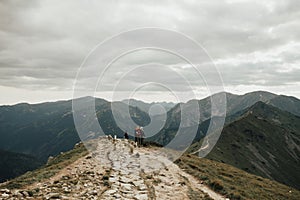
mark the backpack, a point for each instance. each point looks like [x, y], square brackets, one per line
[138, 133]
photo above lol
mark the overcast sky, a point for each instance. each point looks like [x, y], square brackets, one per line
[254, 44]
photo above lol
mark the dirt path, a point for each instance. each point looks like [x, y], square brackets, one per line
[145, 174]
[119, 171]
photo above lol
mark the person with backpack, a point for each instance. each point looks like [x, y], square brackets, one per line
[136, 134]
[142, 135]
[126, 135]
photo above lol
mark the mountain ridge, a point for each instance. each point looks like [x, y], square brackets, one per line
[263, 141]
[79, 174]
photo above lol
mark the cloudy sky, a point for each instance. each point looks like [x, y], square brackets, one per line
[253, 43]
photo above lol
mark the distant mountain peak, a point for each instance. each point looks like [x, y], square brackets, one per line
[260, 105]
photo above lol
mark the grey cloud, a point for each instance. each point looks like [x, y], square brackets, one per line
[42, 43]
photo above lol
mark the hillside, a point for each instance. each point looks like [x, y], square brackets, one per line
[236, 103]
[233, 182]
[287, 103]
[264, 141]
[46, 129]
[15, 164]
[235, 107]
[116, 170]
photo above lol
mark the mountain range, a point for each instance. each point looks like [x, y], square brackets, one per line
[261, 133]
[146, 106]
[46, 129]
[235, 106]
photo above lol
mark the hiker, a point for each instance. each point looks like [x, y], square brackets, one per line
[136, 134]
[142, 135]
[126, 135]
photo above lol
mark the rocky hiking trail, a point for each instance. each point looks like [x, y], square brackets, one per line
[118, 170]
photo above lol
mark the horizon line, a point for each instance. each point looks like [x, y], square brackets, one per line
[149, 102]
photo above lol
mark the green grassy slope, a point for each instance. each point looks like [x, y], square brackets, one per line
[265, 141]
[233, 182]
